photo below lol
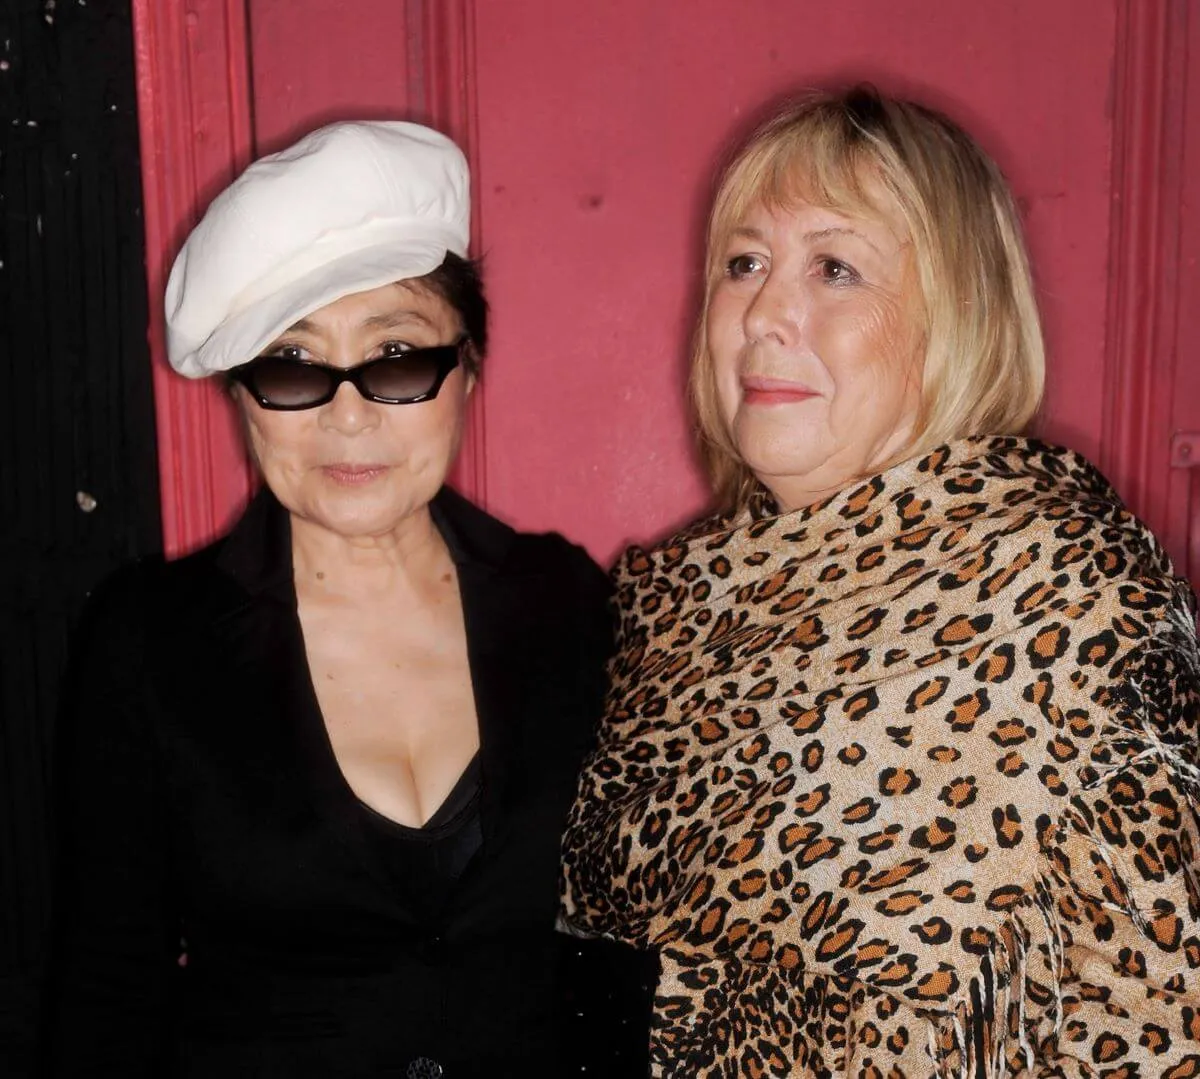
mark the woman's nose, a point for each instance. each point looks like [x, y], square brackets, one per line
[777, 311]
[349, 413]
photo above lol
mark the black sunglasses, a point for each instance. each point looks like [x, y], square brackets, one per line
[406, 378]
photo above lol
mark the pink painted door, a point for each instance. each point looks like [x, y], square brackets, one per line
[594, 131]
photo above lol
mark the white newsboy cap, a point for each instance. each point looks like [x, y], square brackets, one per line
[350, 207]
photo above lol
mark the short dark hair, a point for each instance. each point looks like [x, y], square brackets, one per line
[459, 282]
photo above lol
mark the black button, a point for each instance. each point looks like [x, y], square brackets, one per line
[423, 1068]
[431, 948]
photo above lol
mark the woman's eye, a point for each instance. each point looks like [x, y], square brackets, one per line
[394, 348]
[836, 272]
[743, 266]
[287, 352]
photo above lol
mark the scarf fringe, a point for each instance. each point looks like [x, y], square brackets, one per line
[972, 1041]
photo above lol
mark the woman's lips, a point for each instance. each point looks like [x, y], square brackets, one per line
[774, 391]
[352, 475]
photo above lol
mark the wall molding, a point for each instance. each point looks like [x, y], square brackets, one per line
[442, 93]
[195, 123]
[1150, 67]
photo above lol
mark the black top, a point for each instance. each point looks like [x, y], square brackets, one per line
[426, 862]
[203, 815]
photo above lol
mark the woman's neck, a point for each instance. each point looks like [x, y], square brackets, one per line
[796, 492]
[412, 557]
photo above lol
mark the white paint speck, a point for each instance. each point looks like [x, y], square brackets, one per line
[4, 65]
[38, 223]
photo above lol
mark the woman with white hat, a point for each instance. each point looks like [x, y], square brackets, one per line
[313, 777]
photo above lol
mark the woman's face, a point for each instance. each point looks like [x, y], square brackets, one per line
[815, 333]
[356, 467]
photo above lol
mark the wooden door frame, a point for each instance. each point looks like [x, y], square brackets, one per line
[1142, 346]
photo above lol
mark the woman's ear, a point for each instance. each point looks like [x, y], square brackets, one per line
[471, 368]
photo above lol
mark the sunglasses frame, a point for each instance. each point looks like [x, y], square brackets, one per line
[447, 359]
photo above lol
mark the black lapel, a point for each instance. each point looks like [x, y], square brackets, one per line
[258, 629]
[500, 627]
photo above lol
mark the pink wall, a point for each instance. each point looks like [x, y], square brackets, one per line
[594, 130]
[599, 128]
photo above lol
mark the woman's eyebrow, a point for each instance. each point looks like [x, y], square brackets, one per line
[746, 232]
[842, 230]
[385, 321]
[396, 318]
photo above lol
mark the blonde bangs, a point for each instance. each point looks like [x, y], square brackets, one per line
[804, 163]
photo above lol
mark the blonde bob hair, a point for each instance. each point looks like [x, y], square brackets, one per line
[984, 361]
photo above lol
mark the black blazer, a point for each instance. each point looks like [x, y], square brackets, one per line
[201, 803]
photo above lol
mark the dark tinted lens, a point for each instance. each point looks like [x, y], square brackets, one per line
[287, 383]
[401, 378]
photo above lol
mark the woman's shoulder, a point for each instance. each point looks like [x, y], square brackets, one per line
[643, 562]
[152, 604]
[154, 581]
[129, 621]
[479, 536]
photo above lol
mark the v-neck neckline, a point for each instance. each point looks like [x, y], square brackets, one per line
[462, 797]
[318, 728]
[493, 591]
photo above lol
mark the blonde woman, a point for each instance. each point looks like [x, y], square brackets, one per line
[900, 772]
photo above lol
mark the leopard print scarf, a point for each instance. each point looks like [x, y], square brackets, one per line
[906, 783]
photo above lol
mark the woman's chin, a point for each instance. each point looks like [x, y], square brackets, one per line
[364, 509]
[773, 462]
